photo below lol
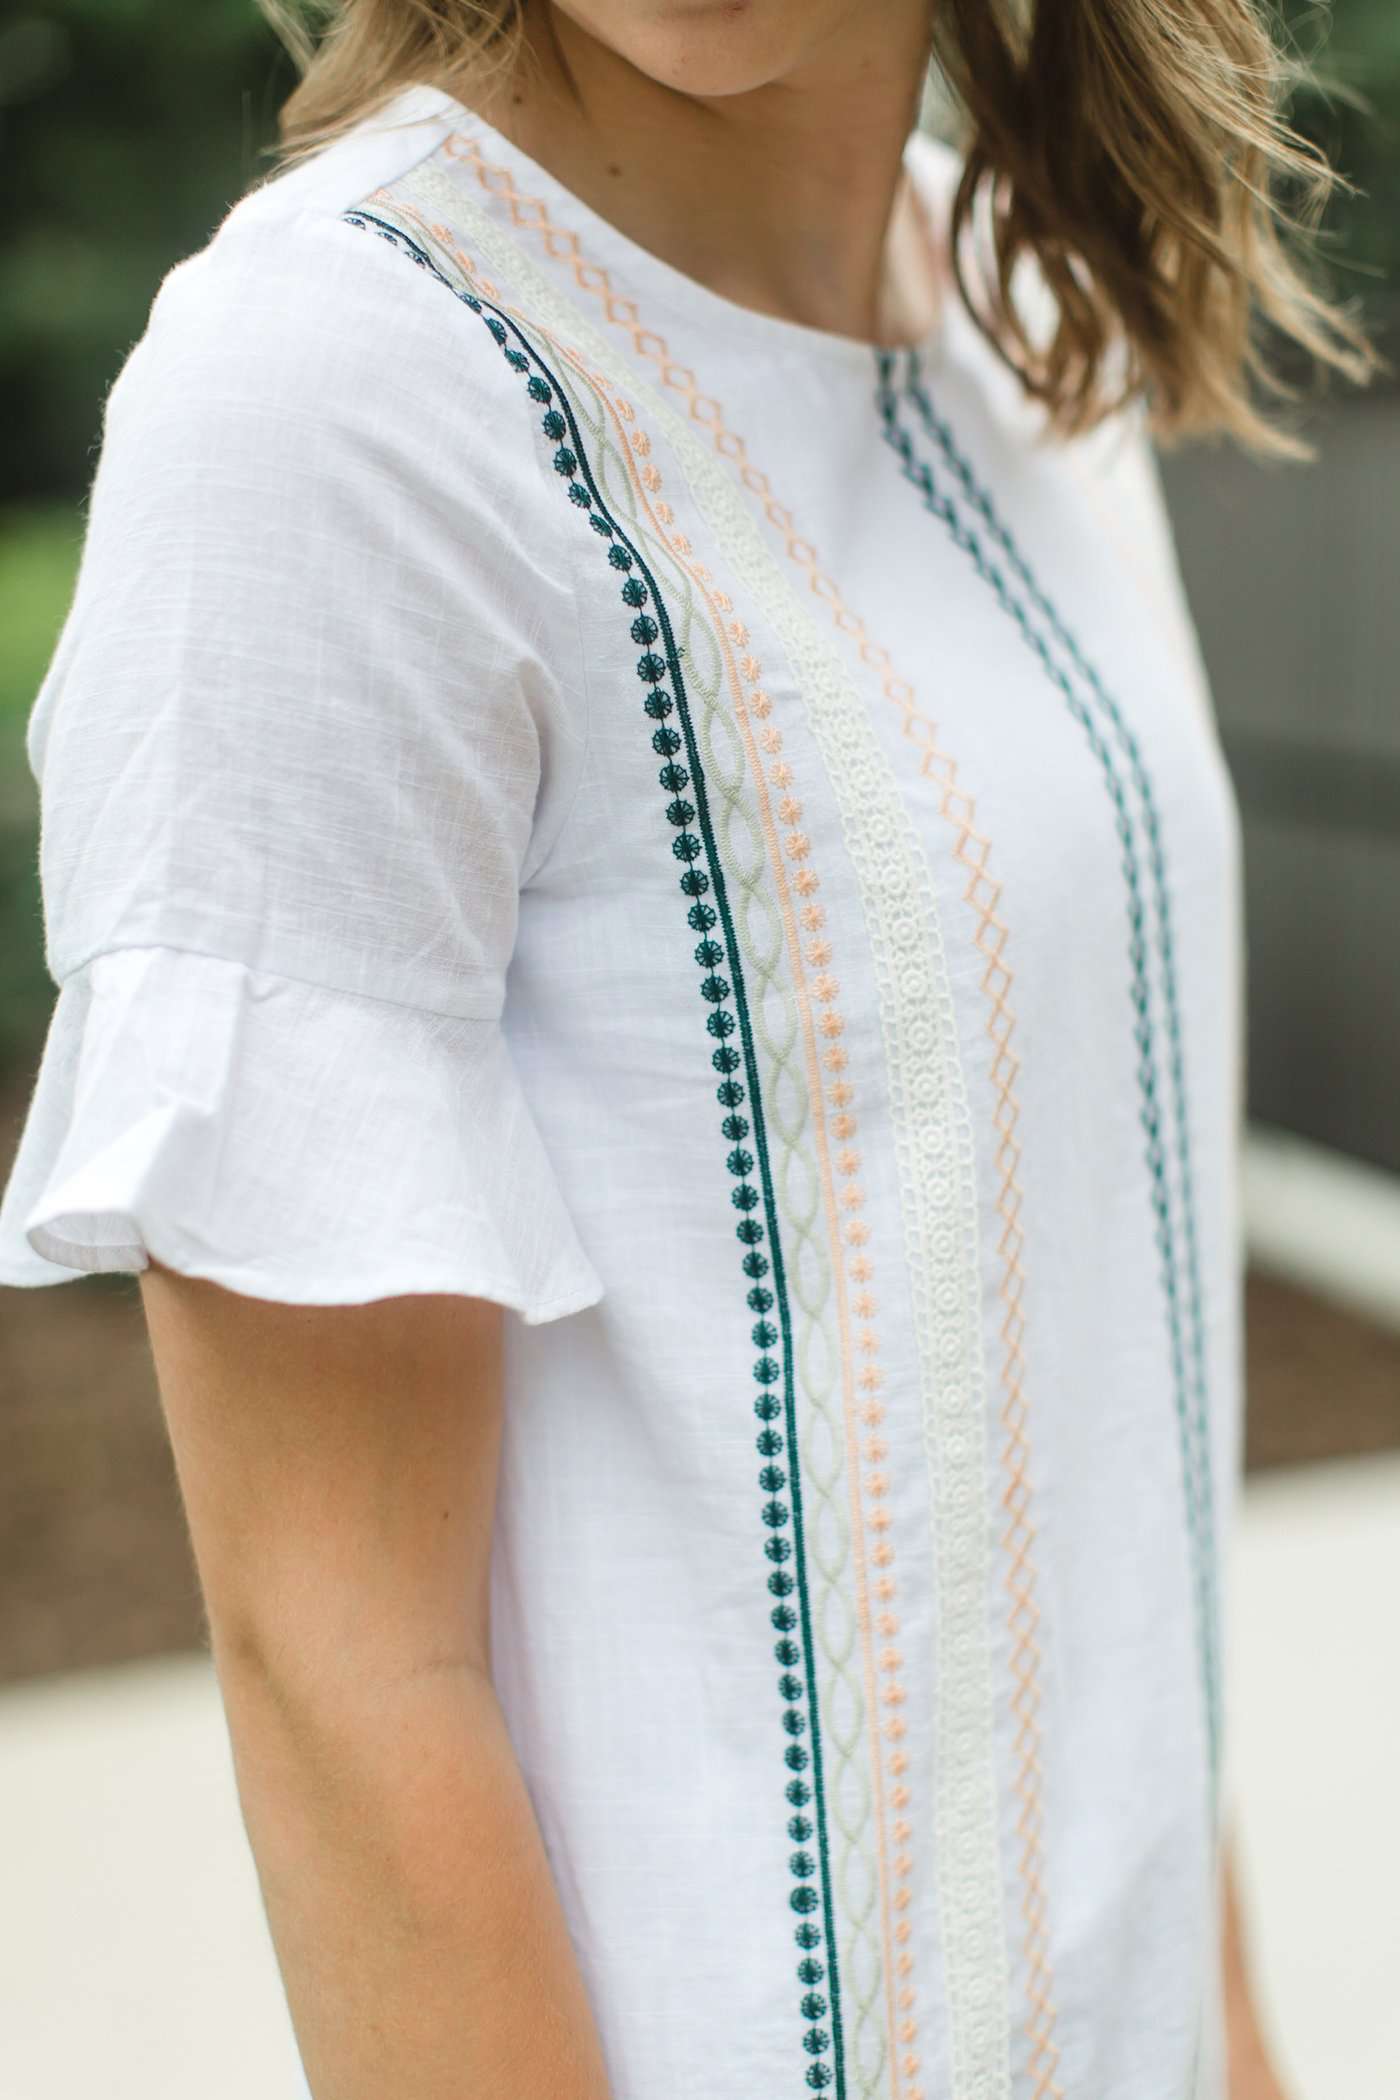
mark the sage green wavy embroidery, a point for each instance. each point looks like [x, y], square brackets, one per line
[822, 1449]
[934, 1147]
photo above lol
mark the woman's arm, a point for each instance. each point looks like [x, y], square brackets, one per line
[338, 1470]
[1252, 2073]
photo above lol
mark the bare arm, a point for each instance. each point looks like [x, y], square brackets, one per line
[338, 1469]
[1252, 2073]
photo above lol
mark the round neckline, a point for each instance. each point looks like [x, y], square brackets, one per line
[687, 297]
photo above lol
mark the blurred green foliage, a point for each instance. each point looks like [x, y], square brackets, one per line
[1356, 43]
[39, 551]
[130, 126]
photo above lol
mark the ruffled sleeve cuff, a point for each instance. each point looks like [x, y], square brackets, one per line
[294, 1143]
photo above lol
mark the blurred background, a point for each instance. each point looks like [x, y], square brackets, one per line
[132, 1947]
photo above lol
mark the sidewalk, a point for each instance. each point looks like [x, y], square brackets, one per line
[1315, 1719]
[135, 1962]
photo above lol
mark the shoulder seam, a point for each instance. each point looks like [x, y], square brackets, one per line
[563, 540]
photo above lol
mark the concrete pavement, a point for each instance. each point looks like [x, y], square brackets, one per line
[135, 1962]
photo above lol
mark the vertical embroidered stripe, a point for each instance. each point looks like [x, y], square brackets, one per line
[1188, 1381]
[983, 895]
[867, 1971]
[772, 1371]
[860, 1872]
[934, 1155]
[859, 1875]
[749, 848]
[1127, 741]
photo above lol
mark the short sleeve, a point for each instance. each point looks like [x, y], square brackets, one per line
[306, 733]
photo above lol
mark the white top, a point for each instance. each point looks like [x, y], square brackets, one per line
[561, 788]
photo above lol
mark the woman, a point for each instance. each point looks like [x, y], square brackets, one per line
[629, 751]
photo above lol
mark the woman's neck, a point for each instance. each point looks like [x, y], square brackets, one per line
[787, 196]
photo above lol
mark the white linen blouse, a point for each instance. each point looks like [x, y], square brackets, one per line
[559, 787]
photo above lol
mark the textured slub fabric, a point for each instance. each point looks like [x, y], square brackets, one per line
[559, 787]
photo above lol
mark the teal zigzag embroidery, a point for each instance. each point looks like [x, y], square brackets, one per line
[1189, 1377]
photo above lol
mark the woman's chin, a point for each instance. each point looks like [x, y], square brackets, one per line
[708, 49]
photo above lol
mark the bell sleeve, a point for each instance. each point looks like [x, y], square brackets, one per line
[307, 732]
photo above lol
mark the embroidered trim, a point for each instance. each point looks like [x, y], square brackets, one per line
[983, 894]
[727, 1018]
[1193, 1415]
[934, 1155]
[864, 1972]
[849, 1788]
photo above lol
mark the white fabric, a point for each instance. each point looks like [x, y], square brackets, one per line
[180, 1085]
[363, 895]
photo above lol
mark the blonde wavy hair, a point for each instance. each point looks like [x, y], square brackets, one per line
[1138, 150]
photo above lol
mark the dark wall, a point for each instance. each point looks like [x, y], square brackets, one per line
[127, 127]
[1294, 578]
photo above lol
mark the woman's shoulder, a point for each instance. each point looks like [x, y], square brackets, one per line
[290, 330]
